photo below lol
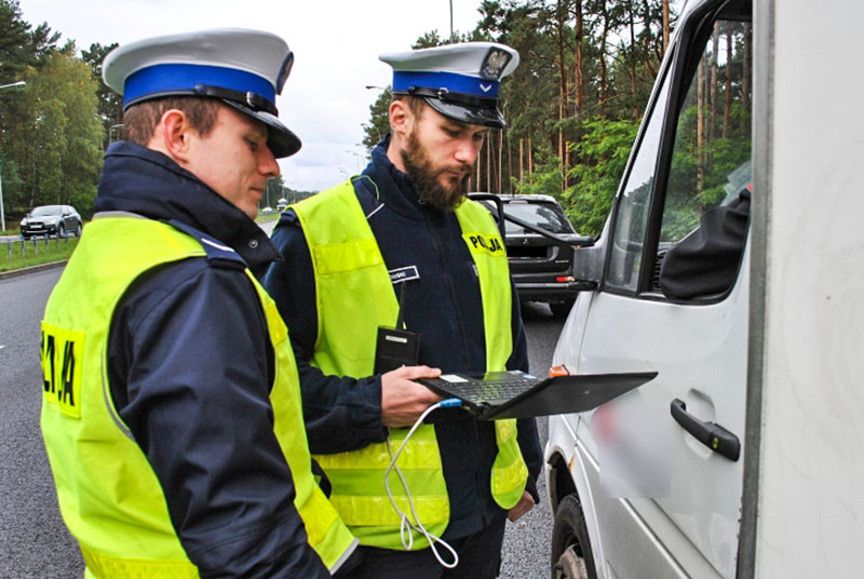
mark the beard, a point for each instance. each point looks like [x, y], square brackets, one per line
[427, 180]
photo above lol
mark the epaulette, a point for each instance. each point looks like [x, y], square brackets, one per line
[218, 254]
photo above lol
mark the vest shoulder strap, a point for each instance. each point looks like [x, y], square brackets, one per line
[218, 254]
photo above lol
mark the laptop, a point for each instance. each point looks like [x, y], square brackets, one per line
[515, 394]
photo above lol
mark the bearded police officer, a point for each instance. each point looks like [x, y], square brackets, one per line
[171, 410]
[395, 243]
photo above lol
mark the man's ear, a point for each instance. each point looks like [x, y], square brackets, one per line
[401, 118]
[174, 134]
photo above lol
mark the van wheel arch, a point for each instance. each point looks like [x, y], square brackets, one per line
[560, 482]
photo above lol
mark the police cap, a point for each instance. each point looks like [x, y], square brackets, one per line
[245, 69]
[460, 81]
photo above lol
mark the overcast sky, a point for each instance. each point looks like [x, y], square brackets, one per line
[336, 44]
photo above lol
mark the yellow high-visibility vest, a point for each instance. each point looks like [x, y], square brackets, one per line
[355, 296]
[109, 496]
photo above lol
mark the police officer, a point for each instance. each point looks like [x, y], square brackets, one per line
[398, 237]
[171, 410]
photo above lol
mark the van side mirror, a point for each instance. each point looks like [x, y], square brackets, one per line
[588, 265]
[565, 240]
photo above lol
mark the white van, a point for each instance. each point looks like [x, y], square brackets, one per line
[742, 458]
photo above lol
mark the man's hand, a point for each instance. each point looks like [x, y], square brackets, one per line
[525, 504]
[402, 400]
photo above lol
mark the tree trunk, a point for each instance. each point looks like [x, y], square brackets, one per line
[700, 127]
[500, 160]
[578, 79]
[665, 26]
[603, 72]
[478, 186]
[521, 159]
[714, 81]
[578, 76]
[647, 39]
[563, 89]
[488, 166]
[530, 157]
[632, 27]
[727, 83]
[509, 164]
[745, 81]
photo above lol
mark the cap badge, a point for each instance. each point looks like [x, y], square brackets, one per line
[494, 64]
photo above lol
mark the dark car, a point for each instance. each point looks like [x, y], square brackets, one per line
[541, 268]
[47, 220]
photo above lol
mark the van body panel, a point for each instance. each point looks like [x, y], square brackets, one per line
[700, 354]
[781, 354]
[811, 477]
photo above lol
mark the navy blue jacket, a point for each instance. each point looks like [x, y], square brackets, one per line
[444, 306]
[190, 372]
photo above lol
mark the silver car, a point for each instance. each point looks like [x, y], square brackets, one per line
[48, 220]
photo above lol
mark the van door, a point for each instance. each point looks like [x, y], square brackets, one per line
[677, 511]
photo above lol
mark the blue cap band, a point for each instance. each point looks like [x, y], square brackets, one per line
[404, 80]
[182, 78]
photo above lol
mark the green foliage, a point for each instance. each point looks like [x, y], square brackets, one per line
[20, 45]
[574, 104]
[55, 142]
[603, 152]
[685, 201]
[50, 132]
[110, 103]
[428, 40]
[546, 179]
[379, 120]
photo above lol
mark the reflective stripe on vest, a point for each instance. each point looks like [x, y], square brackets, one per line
[354, 296]
[109, 496]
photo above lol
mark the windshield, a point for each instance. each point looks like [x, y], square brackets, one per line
[542, 215]
[47, 210]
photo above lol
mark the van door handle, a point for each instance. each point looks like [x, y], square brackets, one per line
[710, 434]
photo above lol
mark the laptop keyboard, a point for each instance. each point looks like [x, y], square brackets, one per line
[484, 390]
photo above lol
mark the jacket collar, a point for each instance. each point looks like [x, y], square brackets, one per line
[143, 181]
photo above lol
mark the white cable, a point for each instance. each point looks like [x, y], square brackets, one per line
[406, 526]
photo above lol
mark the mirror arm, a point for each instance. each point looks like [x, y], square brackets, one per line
[581, 241]
[499, 206]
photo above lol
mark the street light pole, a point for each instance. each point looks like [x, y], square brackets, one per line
[451, 21]
[2, 210]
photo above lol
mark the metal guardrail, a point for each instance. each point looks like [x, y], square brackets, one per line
[21, 247]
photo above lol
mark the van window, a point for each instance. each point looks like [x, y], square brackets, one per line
[633, 207]
[711, 160]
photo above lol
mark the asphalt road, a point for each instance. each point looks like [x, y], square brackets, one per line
[34, 542]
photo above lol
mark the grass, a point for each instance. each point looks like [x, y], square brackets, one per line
[13, 256]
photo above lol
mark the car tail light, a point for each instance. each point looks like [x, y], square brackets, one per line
[565, 278]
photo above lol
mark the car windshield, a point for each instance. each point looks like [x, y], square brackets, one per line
[541, 215]
[47, 210]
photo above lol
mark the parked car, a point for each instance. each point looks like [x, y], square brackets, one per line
[46, 220]
[542, 268]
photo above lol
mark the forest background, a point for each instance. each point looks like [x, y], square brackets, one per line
[573, 105]
[575, 102]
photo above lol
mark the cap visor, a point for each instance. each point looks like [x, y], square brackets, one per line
[280, 139]
[471, 115]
